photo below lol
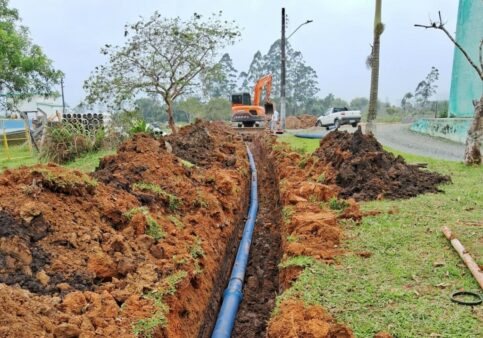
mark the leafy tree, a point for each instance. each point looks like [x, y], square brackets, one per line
[406, 101]
[303, 81]
[218, 108]
[373, 63]
[359, 103]
[150, 109]
[192, 108]
[256, 70]
[426, 88]
[161, 56]
[221, 81]
[25, 71]
[243, 80]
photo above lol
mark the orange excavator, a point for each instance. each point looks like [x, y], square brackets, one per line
[246, 114]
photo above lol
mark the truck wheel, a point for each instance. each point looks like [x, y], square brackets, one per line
[354, 124]
[318, 124]
[337, 124]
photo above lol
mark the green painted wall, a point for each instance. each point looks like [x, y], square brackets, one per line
[466, 85]
[455, 129]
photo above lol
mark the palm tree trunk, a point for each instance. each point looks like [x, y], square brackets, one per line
[372, 113]
[473, 141]
[378, 29]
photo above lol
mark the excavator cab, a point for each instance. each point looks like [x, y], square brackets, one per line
[241, 99]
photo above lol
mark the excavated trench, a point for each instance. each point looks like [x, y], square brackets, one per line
[261, 279]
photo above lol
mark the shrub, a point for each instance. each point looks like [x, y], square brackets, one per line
[66, 141]
[336, 204]
[139, 126]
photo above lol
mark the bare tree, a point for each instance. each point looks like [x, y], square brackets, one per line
[473, 141]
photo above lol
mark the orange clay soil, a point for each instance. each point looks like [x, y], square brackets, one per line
[136, 247]
[309, 228]
[300, 121]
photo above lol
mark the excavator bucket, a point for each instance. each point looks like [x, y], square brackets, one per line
[268, 108]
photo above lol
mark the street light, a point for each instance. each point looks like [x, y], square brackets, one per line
[296, 29]
[283, 70]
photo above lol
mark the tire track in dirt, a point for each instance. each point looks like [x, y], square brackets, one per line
[261, 280]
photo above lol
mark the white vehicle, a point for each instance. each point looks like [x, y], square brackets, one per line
[337, 117]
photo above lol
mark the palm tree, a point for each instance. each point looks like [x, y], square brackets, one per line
[373, 63]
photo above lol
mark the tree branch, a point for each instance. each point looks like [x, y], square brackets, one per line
[440, 26]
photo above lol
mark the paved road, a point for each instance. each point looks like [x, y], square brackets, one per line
[399, 137]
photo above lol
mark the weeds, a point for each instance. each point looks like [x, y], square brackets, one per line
[336, 204]
[303, 162]
[66, 141]
[321, 178]
[147, 326]
[187, 164]
[287, 213]
[292, 238]
[200, 201]
[154, 229]
[176, 221]
[196, 250]
[302, 261]
[179, 260]
[139, 126]
[66, 182]
[312, 198]
[174, 202]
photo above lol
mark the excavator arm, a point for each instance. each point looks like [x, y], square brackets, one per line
[264, 81]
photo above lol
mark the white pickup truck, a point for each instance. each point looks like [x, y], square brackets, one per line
[338, 116]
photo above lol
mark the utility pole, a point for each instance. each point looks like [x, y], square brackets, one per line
[282, 88]
[63, 100]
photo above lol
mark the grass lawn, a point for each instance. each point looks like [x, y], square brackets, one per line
[404, 287]
[21, 157]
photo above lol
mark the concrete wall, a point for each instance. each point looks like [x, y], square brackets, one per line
[466, 85]
[455, 129]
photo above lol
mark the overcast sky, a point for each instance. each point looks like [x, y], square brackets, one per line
[336, 44]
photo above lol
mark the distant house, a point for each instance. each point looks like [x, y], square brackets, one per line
[49, 105]
[37, 104]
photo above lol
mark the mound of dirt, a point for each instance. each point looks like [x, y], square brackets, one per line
[300, 121]
[136, 248]
[296, 320]
[365, 171]
[204, 143]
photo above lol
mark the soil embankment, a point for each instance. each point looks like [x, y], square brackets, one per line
[300, 121]
[360, 166]
[140, 247]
